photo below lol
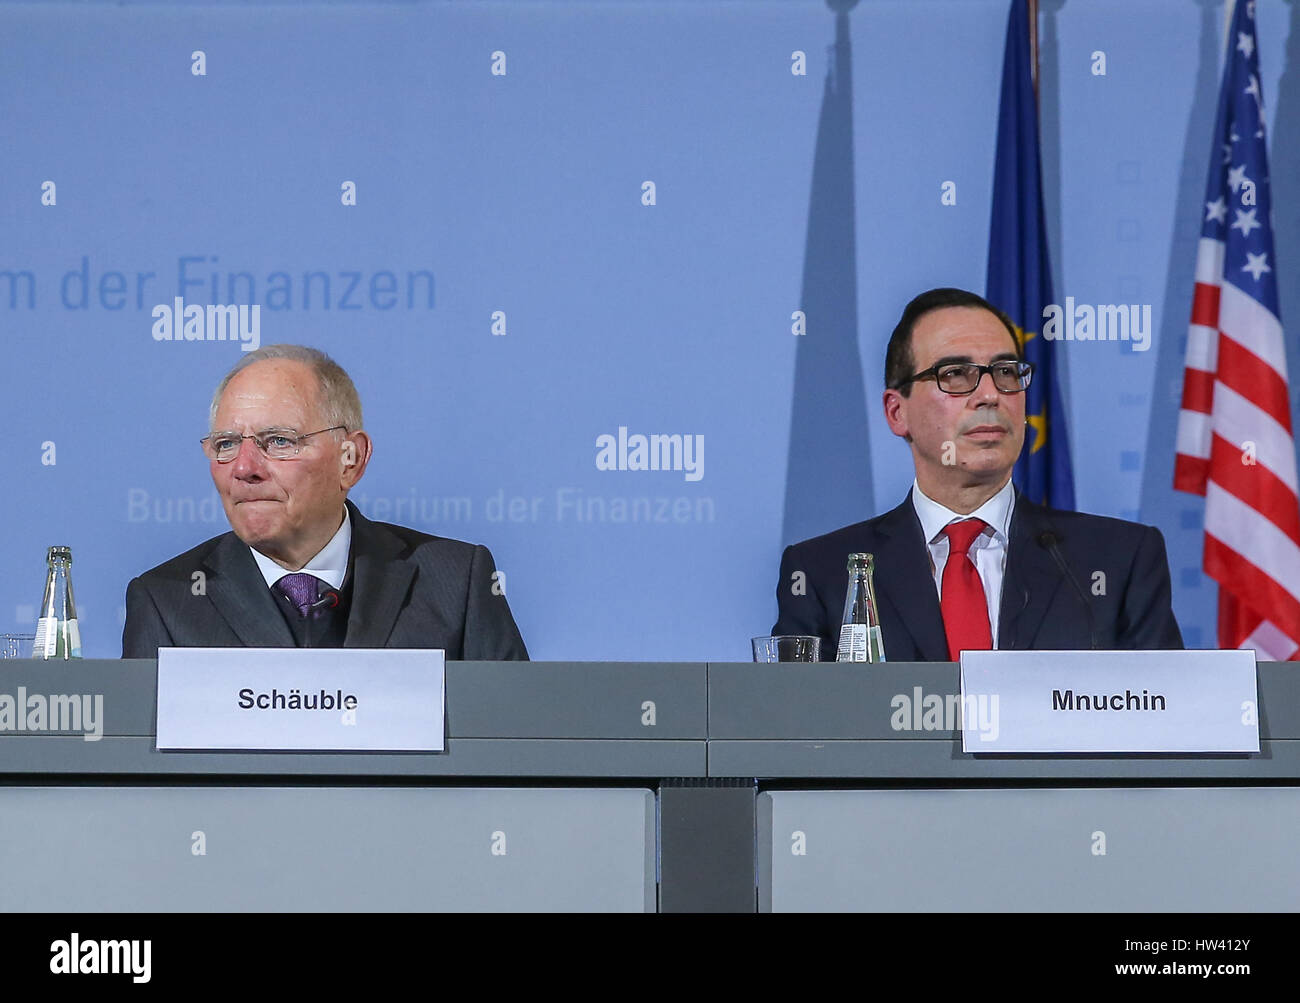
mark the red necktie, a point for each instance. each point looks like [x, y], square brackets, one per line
[962, 601]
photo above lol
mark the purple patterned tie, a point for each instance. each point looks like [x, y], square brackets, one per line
[301, 589]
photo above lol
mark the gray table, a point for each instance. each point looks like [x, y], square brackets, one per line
[855, 813]
[504, 719]
[834, 722]
[565, 761]
[285, 848]
[600, 786]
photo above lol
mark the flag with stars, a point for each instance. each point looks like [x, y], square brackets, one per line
[1235, 444]
[1020, 274]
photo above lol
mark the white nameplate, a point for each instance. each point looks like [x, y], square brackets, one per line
[301, 699]
[1109, 701]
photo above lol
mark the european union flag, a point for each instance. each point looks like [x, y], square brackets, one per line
[1020, 274]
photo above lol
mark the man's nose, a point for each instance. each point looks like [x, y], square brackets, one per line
[249, 462]
[985, 392]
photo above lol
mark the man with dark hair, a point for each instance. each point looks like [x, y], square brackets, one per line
[966, 562]
[302, 566]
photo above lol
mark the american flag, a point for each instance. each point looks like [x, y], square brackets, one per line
[1235, 444]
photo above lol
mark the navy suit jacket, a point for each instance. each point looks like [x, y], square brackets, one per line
[1040, 609]
[409, 590]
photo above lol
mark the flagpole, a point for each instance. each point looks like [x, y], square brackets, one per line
[1033, 44]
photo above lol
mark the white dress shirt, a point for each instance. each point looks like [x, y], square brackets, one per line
[330, 565]
[988, 550]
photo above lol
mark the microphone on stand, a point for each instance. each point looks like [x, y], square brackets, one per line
[1048, 541]
[328, 600]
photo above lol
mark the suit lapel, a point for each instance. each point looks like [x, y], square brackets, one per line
[905, 584]
[380, 583]
[237, 589]
[1031, 579]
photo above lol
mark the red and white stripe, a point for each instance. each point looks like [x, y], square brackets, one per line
[1236, 447]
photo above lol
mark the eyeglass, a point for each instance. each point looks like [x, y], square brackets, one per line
[961, 378]
[276, 443]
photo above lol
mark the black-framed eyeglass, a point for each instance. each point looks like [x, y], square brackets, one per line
[276, 443]
[961, 378]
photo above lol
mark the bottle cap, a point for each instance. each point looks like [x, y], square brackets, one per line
[60, 553]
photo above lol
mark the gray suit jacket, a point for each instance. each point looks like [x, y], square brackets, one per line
[409, 590]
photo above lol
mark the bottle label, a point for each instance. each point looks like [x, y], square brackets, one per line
[46, 638]
[56, 638]
[853, 643]
[860, 643]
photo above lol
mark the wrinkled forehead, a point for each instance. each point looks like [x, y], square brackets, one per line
[960, 332]
[273, 393]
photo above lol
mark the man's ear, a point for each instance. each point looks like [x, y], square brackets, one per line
[354, 455]
[895, 405]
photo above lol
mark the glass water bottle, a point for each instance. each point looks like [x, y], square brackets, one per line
[860, 637]
[57, 635]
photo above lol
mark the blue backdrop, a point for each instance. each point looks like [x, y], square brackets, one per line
[500, 153]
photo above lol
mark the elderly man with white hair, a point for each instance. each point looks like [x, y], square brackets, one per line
[302, 567]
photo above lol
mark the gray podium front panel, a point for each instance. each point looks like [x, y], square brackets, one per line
[484, 699]
[305, 849]
[835, 701]
[1209, 849]
[864, 721]
[518, 719]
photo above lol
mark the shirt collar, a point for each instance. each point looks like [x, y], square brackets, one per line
[330, 565]
[934, 517]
